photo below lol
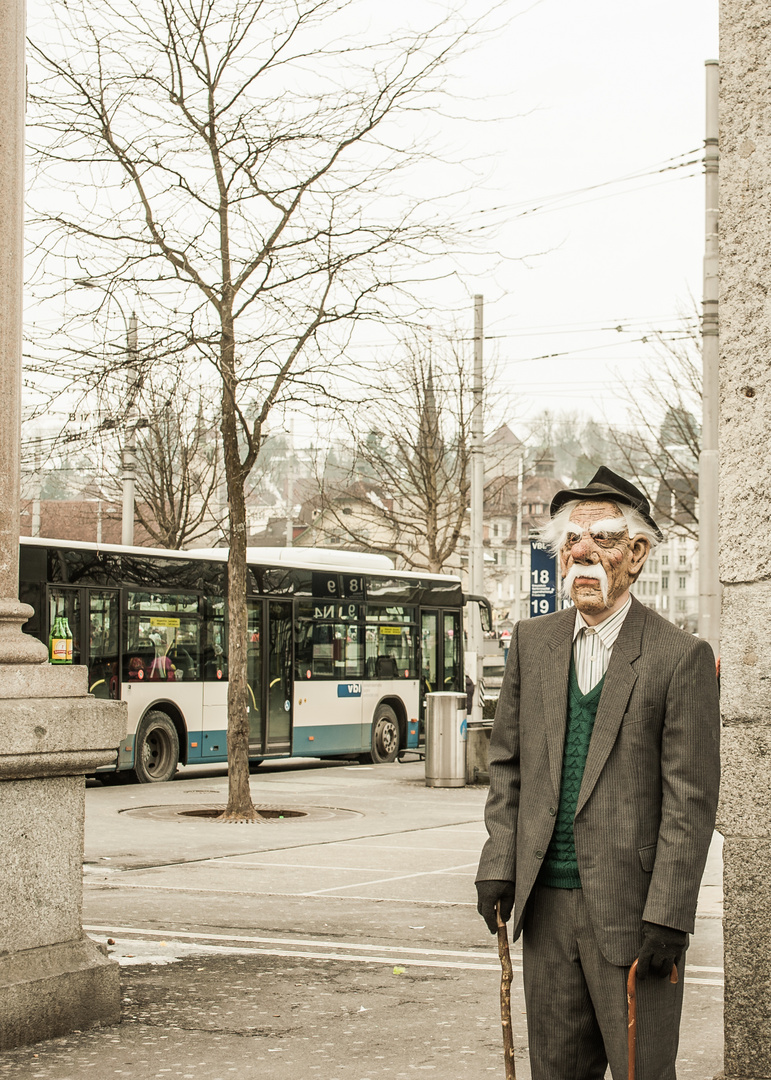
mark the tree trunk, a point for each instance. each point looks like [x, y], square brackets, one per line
[240, 806]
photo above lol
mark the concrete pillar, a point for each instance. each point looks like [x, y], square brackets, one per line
[745, 525]
[52, 977]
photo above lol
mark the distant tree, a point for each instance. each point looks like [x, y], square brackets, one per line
[236, 164]
[179, 472]
[410, 472]
[661, 445]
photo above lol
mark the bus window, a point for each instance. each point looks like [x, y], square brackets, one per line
[391, 652]
[328, 649]
[66, 602]
[452, 657]
[161, 648]
[215, 648]
[103, 615]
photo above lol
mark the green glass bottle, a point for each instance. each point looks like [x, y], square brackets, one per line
[68, 638]
[57, 643]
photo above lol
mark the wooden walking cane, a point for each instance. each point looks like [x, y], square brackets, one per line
[631, 1012]
[506, 977]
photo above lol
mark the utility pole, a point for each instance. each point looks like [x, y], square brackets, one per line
[476, 551]
[130, 444]
[518, 556]
[290, 485]
[709, 573]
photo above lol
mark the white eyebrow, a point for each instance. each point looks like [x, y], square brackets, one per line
[615, 526]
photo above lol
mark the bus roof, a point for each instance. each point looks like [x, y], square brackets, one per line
[302, 558]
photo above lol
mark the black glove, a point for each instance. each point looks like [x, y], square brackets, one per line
[489, 893]
[661, 949]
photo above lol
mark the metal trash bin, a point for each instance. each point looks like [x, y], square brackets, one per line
[446, 739]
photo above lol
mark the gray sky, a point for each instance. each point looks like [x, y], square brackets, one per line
[569, 97]
[595, 91]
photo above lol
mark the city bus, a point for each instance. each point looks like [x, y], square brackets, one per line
[342, 648]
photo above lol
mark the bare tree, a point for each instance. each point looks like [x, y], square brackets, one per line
[236, 163]
[178, 461]
[662, 443]
[408, 489]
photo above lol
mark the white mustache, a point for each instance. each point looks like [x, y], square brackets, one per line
[596, 571]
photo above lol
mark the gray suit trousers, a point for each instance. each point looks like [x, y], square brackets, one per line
[576, 999]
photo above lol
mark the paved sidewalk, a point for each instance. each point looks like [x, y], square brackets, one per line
[344, 944]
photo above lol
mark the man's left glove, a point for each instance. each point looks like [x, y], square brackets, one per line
[661, 949]
[488, 895]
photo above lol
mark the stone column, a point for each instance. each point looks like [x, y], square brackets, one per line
[745, 528]
[52, 977]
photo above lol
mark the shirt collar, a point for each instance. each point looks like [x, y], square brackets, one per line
[609, 629]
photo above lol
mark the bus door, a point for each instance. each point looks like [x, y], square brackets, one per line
[102, 621]
[429, 664]
[93, 616]
[254, 680]
[67, 602]
[269, 676]
[279, 677]
[452, 652]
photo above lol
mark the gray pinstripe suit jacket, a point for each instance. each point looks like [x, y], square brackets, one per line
[646, 809]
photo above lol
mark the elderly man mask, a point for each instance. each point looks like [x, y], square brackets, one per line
[602, 549]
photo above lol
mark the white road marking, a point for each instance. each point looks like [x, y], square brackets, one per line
[235, 861]
[398, 877]
[105, 885]
[311, 943]
[331, 950]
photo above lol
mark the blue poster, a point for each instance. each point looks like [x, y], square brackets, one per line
[543, 579]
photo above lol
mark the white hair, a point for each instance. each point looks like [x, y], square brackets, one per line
[554, 532]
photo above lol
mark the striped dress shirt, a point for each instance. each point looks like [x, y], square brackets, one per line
[592, 646]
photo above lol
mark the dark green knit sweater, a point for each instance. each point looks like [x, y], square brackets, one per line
[560, 866]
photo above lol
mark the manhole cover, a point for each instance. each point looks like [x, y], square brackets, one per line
[209, 812]
[271, 815]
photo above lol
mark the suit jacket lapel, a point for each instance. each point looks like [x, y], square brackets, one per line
[619, 680]
[554, 688]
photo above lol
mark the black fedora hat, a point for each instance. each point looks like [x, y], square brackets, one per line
[605, 484]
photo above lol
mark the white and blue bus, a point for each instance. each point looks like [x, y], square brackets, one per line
[342, 648]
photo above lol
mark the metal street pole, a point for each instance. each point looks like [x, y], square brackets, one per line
[476, 551]
[130, 444]
[518, 557]
[290, 485]
[709, 572]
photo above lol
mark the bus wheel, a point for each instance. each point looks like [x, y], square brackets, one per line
[385, 736]
[156, 752]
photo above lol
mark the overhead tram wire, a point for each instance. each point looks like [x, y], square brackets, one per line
[528, 207]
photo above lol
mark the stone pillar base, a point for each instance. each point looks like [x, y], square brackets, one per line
[53, 979]
[56, 989]
[478, 752]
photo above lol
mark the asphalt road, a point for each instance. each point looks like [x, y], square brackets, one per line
[342, 944]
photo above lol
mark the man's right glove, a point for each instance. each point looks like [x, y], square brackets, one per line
[488, 894]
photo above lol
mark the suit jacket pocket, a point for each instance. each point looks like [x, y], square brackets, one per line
[639, 714]
[647, 857]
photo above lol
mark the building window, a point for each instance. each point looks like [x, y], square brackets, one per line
[681, 606]
[682, 560]
[665, 560]
[495, 529]
[665, 582]
[681, 582]
[665, 603]
[503, 558]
